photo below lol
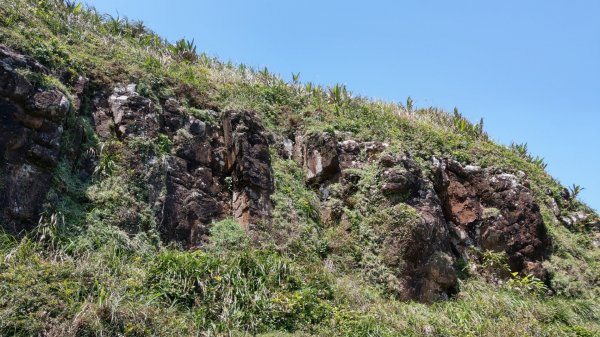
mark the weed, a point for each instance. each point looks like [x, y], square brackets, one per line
[109, 156]
[338, 96]
[295, 77]
[410, 105]
[520, 149]
[495, 261]
[527, 283]
[164, 144]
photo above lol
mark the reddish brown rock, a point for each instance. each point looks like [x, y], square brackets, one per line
[80, 88]
[349, 152]
[14, 59]
[354, 154]
[188, 210]
[496, 211]
[213, 171]
[52, 105]
[102, 120]
[373, 149]
[195, 192]
[397, 180]
[125, 113]
[132, 114]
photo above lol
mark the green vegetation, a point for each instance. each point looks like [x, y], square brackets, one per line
[228, 236]
[96, 266]
[184, 50]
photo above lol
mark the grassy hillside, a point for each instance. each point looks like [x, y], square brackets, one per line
[96, 266]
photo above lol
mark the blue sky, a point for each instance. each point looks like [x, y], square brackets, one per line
[531, 69]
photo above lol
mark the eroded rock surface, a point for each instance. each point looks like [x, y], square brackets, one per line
[427, 268]
[462, 207]
[319, 157]
[416, 225]
[125, 113]
[492, 210]
[249, 161]
[31, 127]
[405, 213]
[195, 190]
[213, 171]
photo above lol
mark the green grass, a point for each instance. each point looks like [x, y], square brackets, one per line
[96, 265]
[128, 286]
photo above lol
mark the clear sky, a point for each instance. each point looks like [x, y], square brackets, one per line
[531, 68]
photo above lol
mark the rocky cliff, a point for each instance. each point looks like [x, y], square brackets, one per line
[223, 169]
[230, 200]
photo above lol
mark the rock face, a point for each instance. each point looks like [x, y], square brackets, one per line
[217, 171]
[462, 207]
[414, 226]
[427, 272]
[214, 170]
[126, 113]
[133, 115]
[248, 160]
[31, 126]
[194, 194]
[414, 241]
[319, 157]
[194, 189]
[493, 210]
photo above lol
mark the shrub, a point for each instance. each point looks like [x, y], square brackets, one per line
[184, 50]
[227, 235]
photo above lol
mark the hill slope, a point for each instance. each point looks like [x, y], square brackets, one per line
[149, 190]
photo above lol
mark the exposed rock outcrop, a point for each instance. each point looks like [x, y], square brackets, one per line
[319, 157]
[249, 161]
[202, 169]
[465, 206]
[126, 113]
[195, 192]
[412, 238]
[491, 209]
[427, 272]
[31, 127]
[213, 171]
